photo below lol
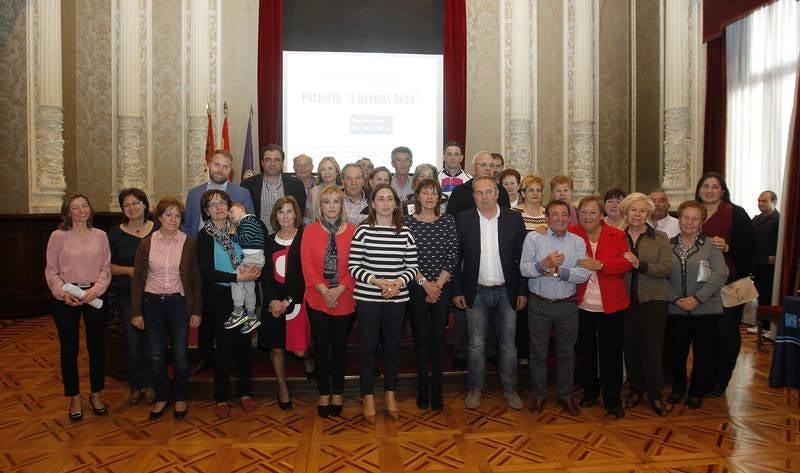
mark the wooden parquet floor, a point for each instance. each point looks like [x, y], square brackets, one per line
[754, 429]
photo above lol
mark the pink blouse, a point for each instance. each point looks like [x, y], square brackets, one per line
[163, 273]
[81, 258]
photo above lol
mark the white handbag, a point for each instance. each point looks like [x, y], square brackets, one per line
[738, 292]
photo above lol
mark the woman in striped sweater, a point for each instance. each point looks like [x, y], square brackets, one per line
[383, 260]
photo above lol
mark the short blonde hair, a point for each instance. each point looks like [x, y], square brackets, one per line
[633, 197]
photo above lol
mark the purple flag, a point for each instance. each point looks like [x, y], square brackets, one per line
[247, 156]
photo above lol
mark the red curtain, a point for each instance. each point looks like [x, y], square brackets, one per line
[455, 71]
[716, 107]
[717, 14]
[270, 70]
[791, 213]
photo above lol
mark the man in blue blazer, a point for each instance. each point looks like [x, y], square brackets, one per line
[489, 285]
[218, 171]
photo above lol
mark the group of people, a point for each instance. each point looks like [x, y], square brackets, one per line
[615, 278]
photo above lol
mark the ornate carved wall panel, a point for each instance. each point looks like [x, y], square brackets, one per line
[13, 107]
[484, 105]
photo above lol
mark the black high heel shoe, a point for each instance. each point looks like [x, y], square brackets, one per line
[286, 406]
[155, 415]
[98, 411]
[77, 415]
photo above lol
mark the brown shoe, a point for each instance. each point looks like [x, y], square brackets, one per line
[537, 406]
[570, 406]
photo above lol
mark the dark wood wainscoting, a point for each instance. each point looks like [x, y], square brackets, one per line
[23, 242]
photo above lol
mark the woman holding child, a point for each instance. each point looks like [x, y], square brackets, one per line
[217, 255]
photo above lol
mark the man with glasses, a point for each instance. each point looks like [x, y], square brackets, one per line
[461, 198]
[452, 175]
[272, 184]
[219, 168]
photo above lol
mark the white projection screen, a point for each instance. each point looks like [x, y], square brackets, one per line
[354, 105]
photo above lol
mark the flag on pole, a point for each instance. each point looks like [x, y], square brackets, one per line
[209, 138]
[226, 142]
[247, 155]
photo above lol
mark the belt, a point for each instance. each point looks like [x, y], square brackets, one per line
[164, 296]
[492, 287]
[553, 301]
[83, 285]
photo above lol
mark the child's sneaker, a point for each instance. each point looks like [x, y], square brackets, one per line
[251, 324]
[236, 319]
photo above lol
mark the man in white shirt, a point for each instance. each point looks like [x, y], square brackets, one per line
[489, 287]
[661, 219]
[452, 175]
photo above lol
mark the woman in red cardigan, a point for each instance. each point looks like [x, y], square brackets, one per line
[324, 252]
[601, 303]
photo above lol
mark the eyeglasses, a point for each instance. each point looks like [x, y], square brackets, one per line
[218, 203]
[533, 189]
[131, 204]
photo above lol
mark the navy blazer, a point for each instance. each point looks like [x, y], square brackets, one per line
[193, 217]
[511, 236]
[291, 186]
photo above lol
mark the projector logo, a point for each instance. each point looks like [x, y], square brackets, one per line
[371, 124]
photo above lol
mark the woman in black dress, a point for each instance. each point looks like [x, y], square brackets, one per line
[124, 239]
[284, 325]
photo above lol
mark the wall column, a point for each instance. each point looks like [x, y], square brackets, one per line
[677, 174]
[198, 81]
[131, 160]
[46, 112]
[582, 169]
[519, 85]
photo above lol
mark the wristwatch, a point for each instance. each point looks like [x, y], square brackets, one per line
[421, 281]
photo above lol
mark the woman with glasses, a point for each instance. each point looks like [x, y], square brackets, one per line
[531, 194]
[218, 257]
[124, 240]
[78, 254]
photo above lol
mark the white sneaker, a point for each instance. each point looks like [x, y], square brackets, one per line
[473, 399]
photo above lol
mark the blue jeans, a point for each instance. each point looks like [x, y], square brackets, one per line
[167, 316]
[138, 347]
[492, 302]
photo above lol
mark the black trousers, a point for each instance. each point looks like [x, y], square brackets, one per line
[429, 322]
[329, 333]
[764, 278]
[606, 331]
[379, 320]
[730, 341]
[229, 342]
[205, 337]
[644, 340]
[699, 332]
[68, 320]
